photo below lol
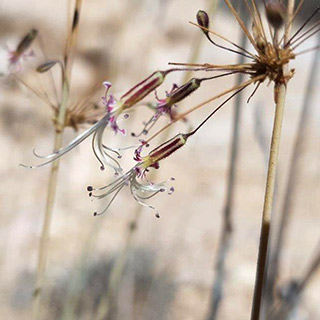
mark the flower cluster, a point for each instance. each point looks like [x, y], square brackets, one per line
[268, 62]
[145, 189]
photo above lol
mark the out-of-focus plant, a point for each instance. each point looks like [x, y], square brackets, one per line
[273, 48]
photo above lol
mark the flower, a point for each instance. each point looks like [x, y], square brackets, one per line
[103, 153]
[164, 106]
[145, 189]
[272, 53]
[21, 51]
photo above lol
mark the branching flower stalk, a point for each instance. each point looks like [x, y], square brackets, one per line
[269, 63]
[293, 178]
[266, 64]
[44, 241]
[280, 92]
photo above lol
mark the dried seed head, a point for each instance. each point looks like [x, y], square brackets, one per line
[44, 67]
[275, 13]
[203, 20]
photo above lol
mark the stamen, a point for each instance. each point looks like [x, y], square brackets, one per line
[109, 204]
[57, 154]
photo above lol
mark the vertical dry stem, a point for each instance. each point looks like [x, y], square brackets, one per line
[268, 202]
[270, 184]
[44, 240]
[293, 176]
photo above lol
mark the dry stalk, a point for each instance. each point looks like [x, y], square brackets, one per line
[270, 184]
[293, 178]
[44, 240]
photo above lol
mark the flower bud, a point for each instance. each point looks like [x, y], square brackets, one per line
[203, 20]
[44, 67]
[142, 89]
[183, 91]
[167, 148]
[275, 13]
[26, 41]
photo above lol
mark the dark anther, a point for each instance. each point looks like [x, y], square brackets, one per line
[102, 168]
[95, 213]
[89, 188]
[157, 215]
[90, 194]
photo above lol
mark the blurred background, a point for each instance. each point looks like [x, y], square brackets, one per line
[166, 265]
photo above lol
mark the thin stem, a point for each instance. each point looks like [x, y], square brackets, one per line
[268, 202]
[293, 175]
[44, 240]
[250, 55]
[183, 115]
[281, 90]
[242, 24]
[226, 233]
[301, 28]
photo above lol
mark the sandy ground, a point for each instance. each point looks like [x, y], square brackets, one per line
[171, 265]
